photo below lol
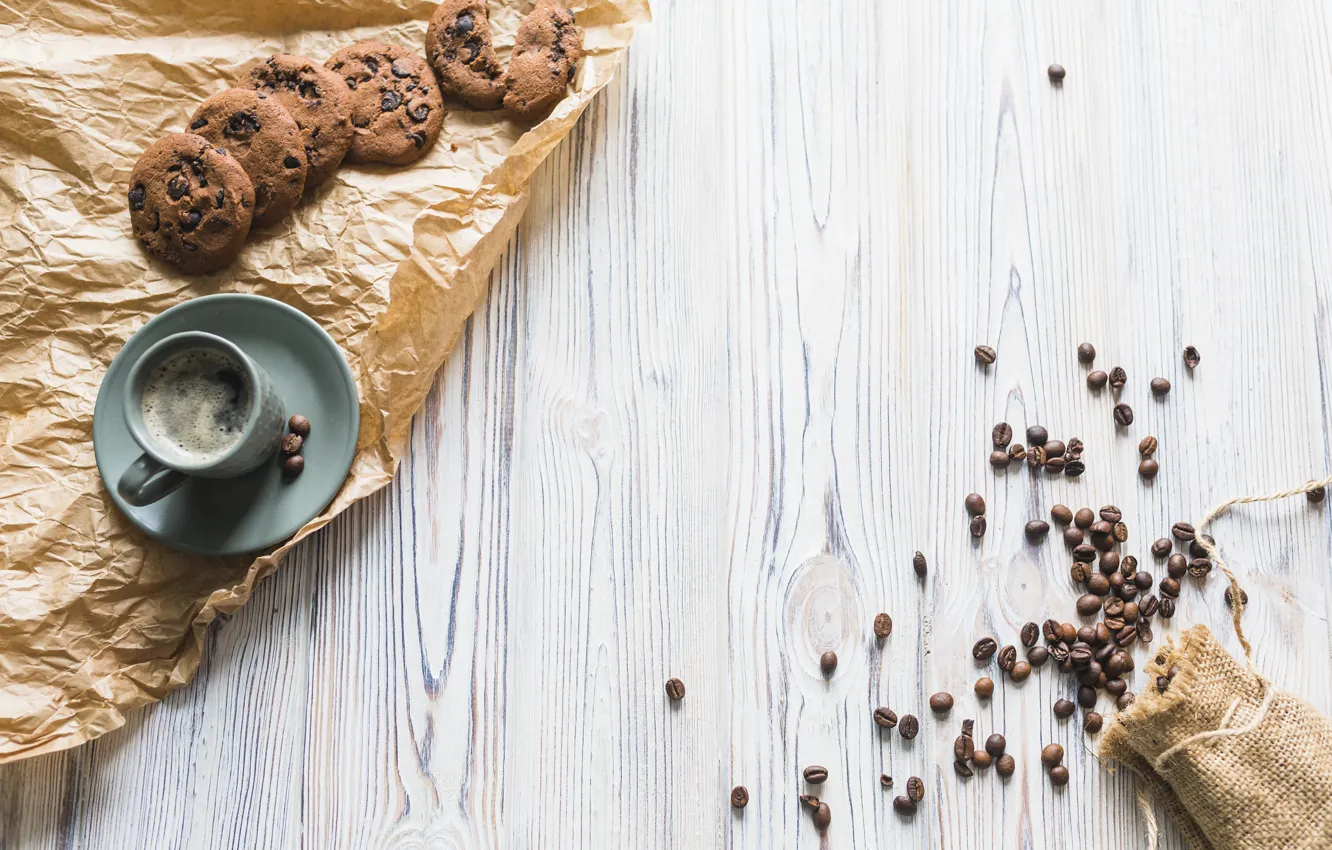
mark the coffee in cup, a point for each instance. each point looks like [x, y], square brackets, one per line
[197, 402]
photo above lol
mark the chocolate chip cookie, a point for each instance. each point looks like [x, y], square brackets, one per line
[317, 99]
[190, 203]
[264, 139]
[459, 48]
[545, 56]
[396, 107]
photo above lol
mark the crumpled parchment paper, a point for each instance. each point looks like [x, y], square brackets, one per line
[95, 618]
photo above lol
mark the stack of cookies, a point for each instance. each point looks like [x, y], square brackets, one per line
[251, 152]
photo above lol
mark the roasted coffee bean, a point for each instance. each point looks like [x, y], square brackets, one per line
[1061, 514]
[1030, 634]
[885, 718]
[1050, 630]
[1100, 528]
[1114, 623]
[1196, 547]
[1074, 450]
[1037, 656]
[1166, 609]
[1148, 467]
[915, 789]
[675, 689]
[1191, 357]
[982, 759]
[885, 780]
[963, 747]
[918, 564]
[1087, 634]
[1116, 582]
[1055, 465]
[822, 817]
[995, 744]
[883, 626]
[1148, 605]
[961, 769]
[1316, 495]
[1127, 635]
[828, 663]
[1005, 765]
[1145, 634]
[1068, 632]
[1174, 670]
[1162, 684]
[1037, 435]
[1128, 567]
[1118, 377]
[1017, 451]
[1103, 542]
[1116, 686]
[1086, 353]
[1177, 566]
[942, 702]
[1110, 514]
[977, 526]
[1097, 584]
[1115, 664]
[1080, 573]
[1075, 468]
[908, 727]
[1090, 675]
[1084, 552]
[1123, 415]
[984, 687]
[1007, 658]
[1059, 776]
[1059, 652]
[1086, 696]
[985, 355]
[816, 774]
[1037, 529]
[739, 797]
[809, 800]
[1021, 670]
[1084, 518]
[1091, 723]
[1160, 386]
[1125, 700]
[1143, 580]
[1097, 380]
[1183, 531]
[903, 806]
[1200, 567]
[1056, 73]
[1130, 612]
[999, 459]
[1108, 563]
[1230, 599]
[293, 466]
[1064, 708]
[1002, 435]
[1102, 637]
[1052, 755]
[1088, 604]
[298, 424]
[1080, 653]
[1036, 457]
[1119, 531]
[975, 503]
[1073, 536]
[1161, 548]
[1054, 448]
[291, 444]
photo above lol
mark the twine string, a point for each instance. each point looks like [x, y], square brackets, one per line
[1236, 612]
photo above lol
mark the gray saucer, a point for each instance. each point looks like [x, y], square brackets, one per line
[260, 509]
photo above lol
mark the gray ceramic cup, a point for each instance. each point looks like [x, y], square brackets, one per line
[162, 468]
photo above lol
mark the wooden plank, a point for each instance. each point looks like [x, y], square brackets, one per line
[720, 392]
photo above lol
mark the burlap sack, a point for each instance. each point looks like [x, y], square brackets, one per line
[1239, 768]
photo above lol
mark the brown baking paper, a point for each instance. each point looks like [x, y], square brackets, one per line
[95, 618]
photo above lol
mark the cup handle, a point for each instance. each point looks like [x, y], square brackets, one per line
[146, 481]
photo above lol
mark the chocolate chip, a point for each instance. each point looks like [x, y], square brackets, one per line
[463, 23]
[198, 122]
[178, 187]
[351, 83]
[308, 90]
[241, 124]
[401, 68]
[420, 113]
[417, 139]
[390, 101]
[291, 162]
[371, 65]
[136, 197]
[192, 219]
[221, 198]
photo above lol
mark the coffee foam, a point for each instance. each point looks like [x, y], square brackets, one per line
[197, 402]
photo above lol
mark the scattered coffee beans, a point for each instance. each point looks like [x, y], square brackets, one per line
[918, 564]
[1055, 465]
[1002, 435]
[984, 687]
[1059, 776]
[1118, 377]
[1086, 353]
[1160, 386]
[1075, 468]
[908, 727]
[885, 718]
[816, 774]
[1037, 529]
[1005, 765]
[1007, 658]
[828, 663]
[1123, 415]
[1064, 708]
[941, 703]
[1088, 604]
[915, 789]
[981, 759]
[1030, 634]
[1161, 548]
[293, 466]
[1061, 514]
[739, 797]
[1084, 518]
[1147, 446]
[883, 626]
[1182, 531]
[1056, 73]
[1097, 380]
[1196, 548]
[675, 689]
[1021, 670]
[1036, 457]
[810, 800]
[1037, 435]
[1316, 495]
[1230, 600]
[1017, 451]
[1191, 357]
[822, 817]
[975, 504]
[1037, 656]
[1052, 755]
[885, 780]
[1125, 700]
[978, 526]
[299, 425]
[984, 649]
[1177, 566]
[903, 806]
[995, 744]
[1091, 723]
[1055, 448]
[985, 355]
[999, 459]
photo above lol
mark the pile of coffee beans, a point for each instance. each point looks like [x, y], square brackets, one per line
[1053, 456]
[293, 445]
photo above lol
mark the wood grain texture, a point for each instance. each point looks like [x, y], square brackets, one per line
[722, 389]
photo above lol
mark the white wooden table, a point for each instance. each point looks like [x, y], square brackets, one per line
[723, 388]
